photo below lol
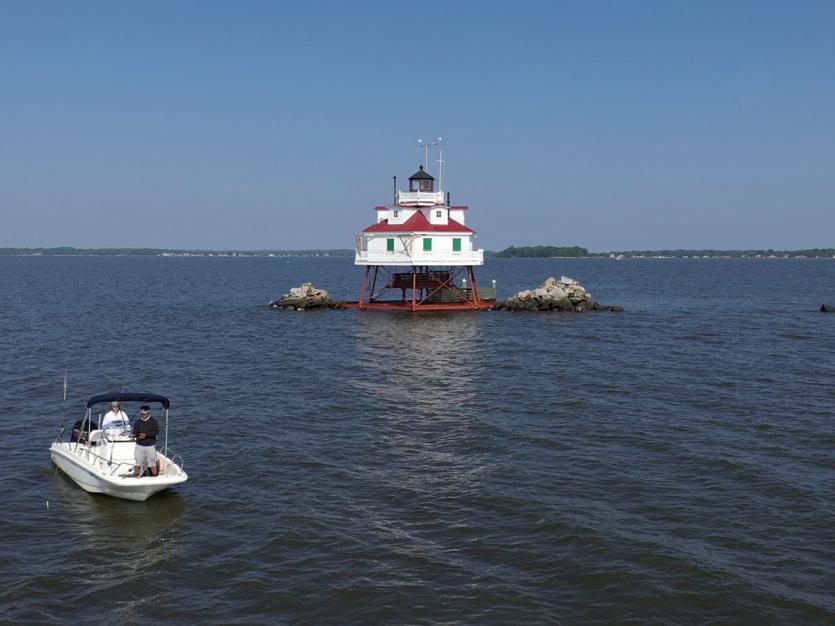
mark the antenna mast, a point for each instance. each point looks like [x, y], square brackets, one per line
[440, 161]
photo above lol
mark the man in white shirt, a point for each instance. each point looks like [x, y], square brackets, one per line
[116, 421]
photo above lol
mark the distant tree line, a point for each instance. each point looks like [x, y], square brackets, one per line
[766, 253]
[577, 251]
[70, 251]
[543, 251]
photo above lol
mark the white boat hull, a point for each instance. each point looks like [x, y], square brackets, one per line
[96, 471]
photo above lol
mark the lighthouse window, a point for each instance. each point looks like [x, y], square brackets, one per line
[427, 244]
[426, 185]
[389, 245]
[394, 213]
[456, 244]
[438, 214]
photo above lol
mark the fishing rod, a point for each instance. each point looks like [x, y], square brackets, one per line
[60, 437]
[63, 403]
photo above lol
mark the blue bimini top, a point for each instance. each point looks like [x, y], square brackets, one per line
[128, 397]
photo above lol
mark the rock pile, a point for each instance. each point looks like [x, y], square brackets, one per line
[827, 308]
[565, 294]
[306, 298]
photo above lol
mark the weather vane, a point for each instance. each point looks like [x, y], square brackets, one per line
[426, 145]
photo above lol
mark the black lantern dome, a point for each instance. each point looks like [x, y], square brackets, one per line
[421, 181]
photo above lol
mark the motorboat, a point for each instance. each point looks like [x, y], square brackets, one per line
[102, 460]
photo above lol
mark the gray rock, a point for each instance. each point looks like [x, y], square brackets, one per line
[564, 295]
[306, 298]
[596, 306]
[557, 293]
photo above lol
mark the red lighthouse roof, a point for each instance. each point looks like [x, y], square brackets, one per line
[418, 223]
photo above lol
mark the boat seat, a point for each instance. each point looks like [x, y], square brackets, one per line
[80, 429]
[96, 437]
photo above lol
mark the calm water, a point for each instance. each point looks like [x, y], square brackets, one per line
[670, 464]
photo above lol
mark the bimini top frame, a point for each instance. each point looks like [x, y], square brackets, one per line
[106, 398]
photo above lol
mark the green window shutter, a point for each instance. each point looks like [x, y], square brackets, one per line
[456, 245]
[427, 244]
[389, 245]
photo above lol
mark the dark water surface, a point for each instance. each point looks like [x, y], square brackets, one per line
[670, 464]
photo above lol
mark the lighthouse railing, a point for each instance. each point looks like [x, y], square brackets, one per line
[421, 198]
[420, 257]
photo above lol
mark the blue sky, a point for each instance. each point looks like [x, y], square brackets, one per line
[609, 125]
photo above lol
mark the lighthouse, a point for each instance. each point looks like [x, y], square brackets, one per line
[420, 254]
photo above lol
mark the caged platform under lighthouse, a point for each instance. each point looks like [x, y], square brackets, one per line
[420, 255]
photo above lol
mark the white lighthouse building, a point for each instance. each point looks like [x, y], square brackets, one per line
[419, 246]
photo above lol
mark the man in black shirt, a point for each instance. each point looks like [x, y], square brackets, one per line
[145, 430]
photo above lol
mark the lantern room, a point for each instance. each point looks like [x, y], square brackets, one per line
[421, 181]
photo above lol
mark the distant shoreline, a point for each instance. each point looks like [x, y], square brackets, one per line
[540, 252]
[166, 252]
[579, 252]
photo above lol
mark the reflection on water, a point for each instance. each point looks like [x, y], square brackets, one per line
[138, 535]
[421, 372]
[105, 516]
[426, 360]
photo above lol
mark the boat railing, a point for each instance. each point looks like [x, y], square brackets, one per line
[88, 452]
[120, 464]
[175, 459]
[114, 465]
